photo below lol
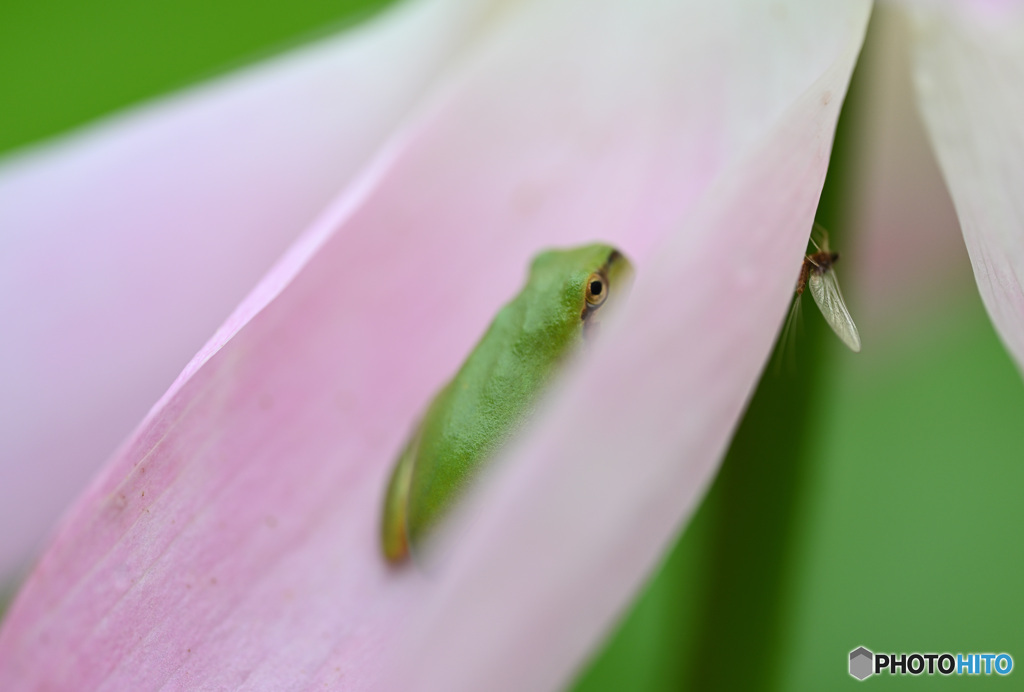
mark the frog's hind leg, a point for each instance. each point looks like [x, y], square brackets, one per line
[394, 524]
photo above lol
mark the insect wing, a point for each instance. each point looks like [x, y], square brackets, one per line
[819, 237]
[825, 290]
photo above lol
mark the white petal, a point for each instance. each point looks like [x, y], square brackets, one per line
[969, 74]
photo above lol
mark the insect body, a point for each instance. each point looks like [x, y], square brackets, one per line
[818, 274]
[496, 389]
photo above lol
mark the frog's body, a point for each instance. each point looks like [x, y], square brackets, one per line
[497, 387]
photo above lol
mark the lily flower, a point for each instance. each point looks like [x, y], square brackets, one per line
[232, 539]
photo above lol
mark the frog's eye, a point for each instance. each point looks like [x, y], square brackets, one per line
[597, 289]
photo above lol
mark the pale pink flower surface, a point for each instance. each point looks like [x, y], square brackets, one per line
[232, 541]
[969, 74]
[125, 247]
[908, 238]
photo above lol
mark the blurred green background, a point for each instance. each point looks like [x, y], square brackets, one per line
[868, 499]
[65, 62]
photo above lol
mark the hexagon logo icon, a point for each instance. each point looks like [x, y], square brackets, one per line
[861, 661]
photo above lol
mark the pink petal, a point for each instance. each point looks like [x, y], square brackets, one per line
[126, 245]
[969, 71]
[233, 542]
[905, 241]
[570, 528]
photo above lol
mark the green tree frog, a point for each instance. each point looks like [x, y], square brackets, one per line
[498, 386]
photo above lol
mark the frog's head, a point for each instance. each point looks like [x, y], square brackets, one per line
[583, 282]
